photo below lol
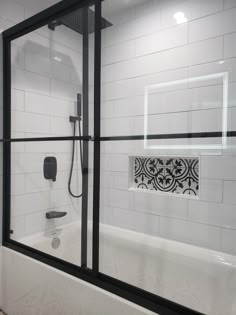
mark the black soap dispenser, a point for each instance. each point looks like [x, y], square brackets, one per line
[50, 168]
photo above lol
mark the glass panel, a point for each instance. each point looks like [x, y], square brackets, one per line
[47, 75]
[52, 96]
[43, 213]
[167, 204]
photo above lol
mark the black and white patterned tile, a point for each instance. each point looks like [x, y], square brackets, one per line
[165, 174]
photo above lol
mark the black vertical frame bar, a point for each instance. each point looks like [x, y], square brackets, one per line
[6, 135]
[85, 97]
[97, 125]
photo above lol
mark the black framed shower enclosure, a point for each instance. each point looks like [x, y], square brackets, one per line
[136, 295]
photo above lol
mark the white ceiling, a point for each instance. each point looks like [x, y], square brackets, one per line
[37, 5]
[112, 10]
[110, 7]
[121, 5]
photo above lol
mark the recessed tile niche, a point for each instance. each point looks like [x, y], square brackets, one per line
[172, 175]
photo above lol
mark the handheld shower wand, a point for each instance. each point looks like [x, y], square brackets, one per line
[74, 119]
[78, 116]
[79, 101]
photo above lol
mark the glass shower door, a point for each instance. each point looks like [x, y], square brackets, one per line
[167, 205]
[50, 150]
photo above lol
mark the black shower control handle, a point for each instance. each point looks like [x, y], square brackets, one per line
[50, 168]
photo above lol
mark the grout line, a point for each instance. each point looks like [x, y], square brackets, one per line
[45, 37]
[124, 79]
[51, 115]
[187, 67]
[223, 191]
[166, 28]
[168, 113]
[172, 217]
[164, 50]
[197, 87]
[163, 71]
[68, 83]
[221, 241]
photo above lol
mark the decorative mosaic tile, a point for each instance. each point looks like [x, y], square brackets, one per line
[165, 174]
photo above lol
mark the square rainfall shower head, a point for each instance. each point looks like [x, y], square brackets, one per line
[75, 20]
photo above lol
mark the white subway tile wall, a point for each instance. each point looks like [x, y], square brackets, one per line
[148, 46]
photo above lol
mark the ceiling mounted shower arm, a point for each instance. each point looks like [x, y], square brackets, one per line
[54, 24]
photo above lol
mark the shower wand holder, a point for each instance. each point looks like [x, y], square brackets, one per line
[73, 119]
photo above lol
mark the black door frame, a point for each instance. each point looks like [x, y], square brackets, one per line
[136, 295]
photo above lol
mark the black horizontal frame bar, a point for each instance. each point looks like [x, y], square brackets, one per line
[195, 135]
[45, 139]
[122, 289]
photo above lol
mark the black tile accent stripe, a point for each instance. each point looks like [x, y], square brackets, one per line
[165, 174]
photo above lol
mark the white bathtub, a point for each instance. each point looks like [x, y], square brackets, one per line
[198, 278]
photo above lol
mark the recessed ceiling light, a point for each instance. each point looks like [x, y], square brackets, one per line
[180, 17]
[221, 62]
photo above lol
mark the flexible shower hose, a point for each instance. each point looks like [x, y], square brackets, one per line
[73, 158]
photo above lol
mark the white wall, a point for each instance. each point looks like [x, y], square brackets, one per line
[146, 46]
